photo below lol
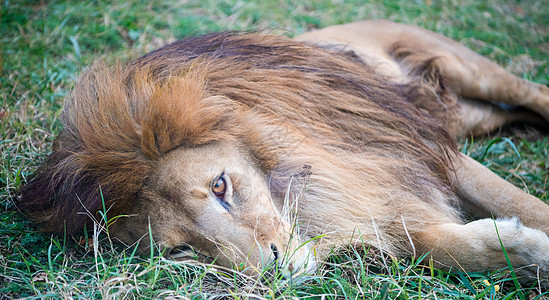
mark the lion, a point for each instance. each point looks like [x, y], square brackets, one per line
[254, 150]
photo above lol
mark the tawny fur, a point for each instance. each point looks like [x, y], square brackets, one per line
[382, 159]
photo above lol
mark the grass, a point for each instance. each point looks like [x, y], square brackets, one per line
[45, 44]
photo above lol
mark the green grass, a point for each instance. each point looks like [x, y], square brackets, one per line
[45, 44]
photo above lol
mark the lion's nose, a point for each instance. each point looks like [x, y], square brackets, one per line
[291, 261]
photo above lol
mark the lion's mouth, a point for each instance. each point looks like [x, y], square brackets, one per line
[186, 252]
[181, 252]
[281, 265]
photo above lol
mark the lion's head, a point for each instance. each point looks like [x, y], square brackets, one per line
[221, 209]
[204, 142]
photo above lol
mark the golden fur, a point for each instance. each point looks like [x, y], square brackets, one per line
[356, 154]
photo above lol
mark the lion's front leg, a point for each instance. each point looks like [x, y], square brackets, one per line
[480, 245]
[482, 190]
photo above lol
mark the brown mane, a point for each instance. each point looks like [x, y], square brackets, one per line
[120, 119]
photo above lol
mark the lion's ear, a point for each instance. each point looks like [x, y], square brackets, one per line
[73, 184]
[60, 195]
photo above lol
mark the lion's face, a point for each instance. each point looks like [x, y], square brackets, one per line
[213, 201]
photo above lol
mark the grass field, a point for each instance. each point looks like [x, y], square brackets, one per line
[44, 45]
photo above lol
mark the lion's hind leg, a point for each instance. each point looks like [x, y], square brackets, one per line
[482, 87]
[467, 73]
[479, 246]
[403, 53]
[480, 117]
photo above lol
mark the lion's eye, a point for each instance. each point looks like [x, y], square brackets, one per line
[219, 187]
